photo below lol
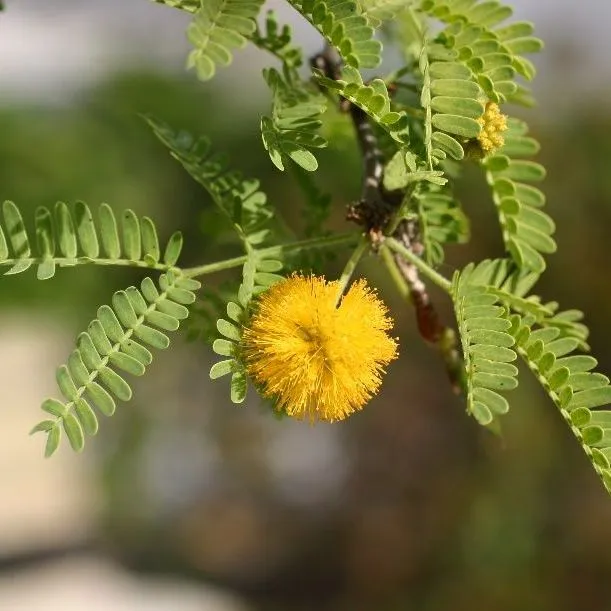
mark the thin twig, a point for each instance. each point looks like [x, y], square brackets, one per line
[350, 267]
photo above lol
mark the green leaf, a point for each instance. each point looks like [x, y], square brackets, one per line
[494, 402]
[481, 413]
[344, 28]
[226, 187]
[108, 344]
[74, 432]
[85, 229]
[127, 363]
[218, 27]
[234, 311]
[223, 347]
[53, 439]
[295, 120]
[15, 227]
[151, 336]
[593, 397]
[150, 241]
[109, 233]
[448, 145]
[101, 398]
[115, 384]
[45, 236]
[239, 386]
[456, 88]
[66, 231]
[173, 249]
[61, 236]
[132, 241]
[221, 368]
[44, 427]
[65, 383]
[86, 418]
[54, 407]
[228, 330]
[373, 99]
[454, 124]
[464, 107]
[486, 339]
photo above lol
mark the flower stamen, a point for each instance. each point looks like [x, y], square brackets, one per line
[317, 360]
[494, 124]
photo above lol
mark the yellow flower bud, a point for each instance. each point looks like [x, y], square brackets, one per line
[493, 125]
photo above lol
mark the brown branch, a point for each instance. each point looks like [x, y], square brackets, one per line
[374, 210]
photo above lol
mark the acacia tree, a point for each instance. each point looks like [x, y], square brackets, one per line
[317, 348]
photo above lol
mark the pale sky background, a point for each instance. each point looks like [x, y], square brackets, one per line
[51, 48]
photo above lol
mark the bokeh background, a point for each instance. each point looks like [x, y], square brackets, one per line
[186, 502]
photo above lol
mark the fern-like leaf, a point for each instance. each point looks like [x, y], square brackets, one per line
[292, 128]
[371, 98]
[404, 170]
[452, 102]
[487, 344]
[259, 273]
[527, 230]
[550, 342]
[568, 378]
[67, 237]
[277, 41]
[191, 6]
[116, 342]
[441, 221]
[513, 287]
[378, 11]
[341, 24]
[218, 27]
[241, 202]
[494, 54]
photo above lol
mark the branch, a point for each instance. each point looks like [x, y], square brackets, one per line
[273, 251]
[377, 211]
[374, 208]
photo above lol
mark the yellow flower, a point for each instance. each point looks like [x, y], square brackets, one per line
[493, 125]
[318, 359]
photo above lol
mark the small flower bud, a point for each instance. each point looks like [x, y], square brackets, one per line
[493, 125]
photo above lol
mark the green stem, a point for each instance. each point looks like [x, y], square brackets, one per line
[270, 252]
[423, 267]
[395, 274]
[71, 262]
[353, 261]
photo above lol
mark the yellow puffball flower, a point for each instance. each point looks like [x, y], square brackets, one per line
[318, 359]
[493, 123]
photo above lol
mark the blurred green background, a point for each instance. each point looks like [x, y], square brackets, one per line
[408, 505]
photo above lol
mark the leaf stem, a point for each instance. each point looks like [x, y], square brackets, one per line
[423, 267]
[353, 261]
[26, 262]
[395, 274]
[272, 251]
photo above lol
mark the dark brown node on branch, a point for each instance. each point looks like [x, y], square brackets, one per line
[373, 212]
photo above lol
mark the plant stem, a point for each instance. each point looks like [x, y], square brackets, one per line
[423, 267]
[72, 262]
[272, 251]
[353, 261]
[395, 274]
